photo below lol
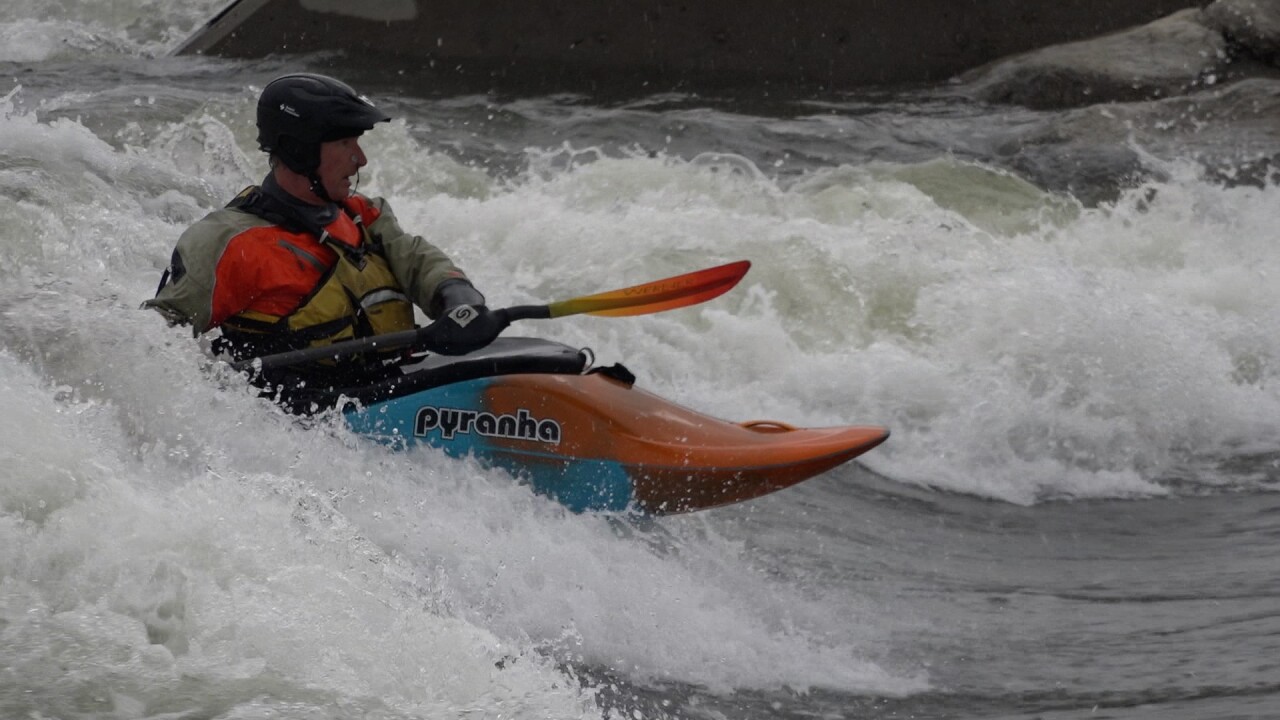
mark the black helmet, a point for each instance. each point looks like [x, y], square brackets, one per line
[297, 112]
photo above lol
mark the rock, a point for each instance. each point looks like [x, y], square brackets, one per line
[1163, 58]
[1253, 26]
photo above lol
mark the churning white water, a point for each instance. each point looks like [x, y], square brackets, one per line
[171, 545]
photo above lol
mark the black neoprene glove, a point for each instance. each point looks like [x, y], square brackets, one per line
[465, 324]
[454, 292]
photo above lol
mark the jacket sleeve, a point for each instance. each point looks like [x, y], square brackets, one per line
[188, 294]
[418, 265]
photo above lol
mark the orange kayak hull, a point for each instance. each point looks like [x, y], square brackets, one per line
[678, 459]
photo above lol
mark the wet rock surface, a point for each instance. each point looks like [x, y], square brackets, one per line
[1251, 26]
[1198, 88]
[1182, 53]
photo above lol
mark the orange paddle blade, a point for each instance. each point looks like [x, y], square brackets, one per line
[651, 297]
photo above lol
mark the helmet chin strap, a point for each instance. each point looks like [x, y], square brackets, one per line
[317, 187]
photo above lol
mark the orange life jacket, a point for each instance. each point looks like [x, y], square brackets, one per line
[342, 283]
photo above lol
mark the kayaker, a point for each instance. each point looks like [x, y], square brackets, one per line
[304, 260]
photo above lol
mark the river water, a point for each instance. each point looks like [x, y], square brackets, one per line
[1068, 319]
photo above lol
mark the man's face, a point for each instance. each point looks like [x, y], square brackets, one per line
[339, 161]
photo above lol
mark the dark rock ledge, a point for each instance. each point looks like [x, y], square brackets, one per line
[1190, 50]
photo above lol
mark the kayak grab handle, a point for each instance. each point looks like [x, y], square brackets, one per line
[767, 426]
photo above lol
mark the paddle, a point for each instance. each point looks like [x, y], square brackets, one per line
[651, 297]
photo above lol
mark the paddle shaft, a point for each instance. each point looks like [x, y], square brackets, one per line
[420, 337]
[657, 296]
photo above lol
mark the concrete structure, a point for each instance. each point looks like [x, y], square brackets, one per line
[630, 46]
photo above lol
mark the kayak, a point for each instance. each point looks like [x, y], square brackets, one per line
[586, 436]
